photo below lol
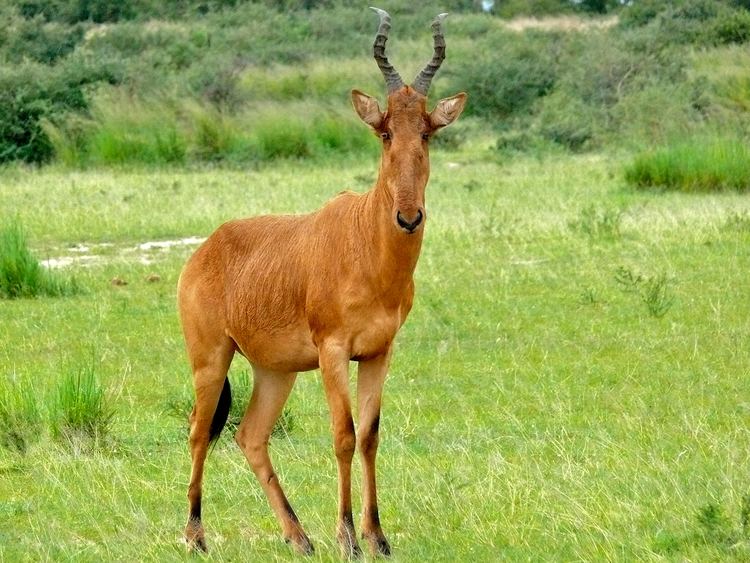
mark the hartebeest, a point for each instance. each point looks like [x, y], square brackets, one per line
[294, 293]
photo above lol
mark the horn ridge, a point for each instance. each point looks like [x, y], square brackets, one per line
[422, 81]
[392, 79]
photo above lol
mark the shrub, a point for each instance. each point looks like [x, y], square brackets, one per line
[567, 121]
[656, 112]
[21, 275]
[610, 87]
[513, 8]
[124, 129]
[507, 73]
[40, 41]
[731, 27]
[699, 164]
[72, 11]
[690, 21]
[333, 132]
[220, 86]
[31, 93]
[636, 14]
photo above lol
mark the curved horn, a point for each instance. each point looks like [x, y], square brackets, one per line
[422, 81]
[392, 79]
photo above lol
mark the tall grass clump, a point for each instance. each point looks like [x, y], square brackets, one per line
[695, 165]
[21, 274]
[599, 222]
[20, 416]
[120, 129]
[303, 131]
[123, 129]
[135, 130]
[81, 409]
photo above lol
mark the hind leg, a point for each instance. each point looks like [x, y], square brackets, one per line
[210, 363]
[270, 392]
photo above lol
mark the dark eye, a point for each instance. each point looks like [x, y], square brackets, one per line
[385, 135]
[425, 136]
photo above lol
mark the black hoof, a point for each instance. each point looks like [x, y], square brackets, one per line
[383, 547]
[301, 545]
[194, 536]
[351, 551]
[197, 545]
[349, 546]
[378, 544]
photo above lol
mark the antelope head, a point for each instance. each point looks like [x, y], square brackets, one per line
[405, 127]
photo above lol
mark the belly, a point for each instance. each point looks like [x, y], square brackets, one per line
[290, 347]
[287, 350]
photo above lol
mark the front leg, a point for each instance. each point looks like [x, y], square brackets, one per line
[334, 366]
[370, 379]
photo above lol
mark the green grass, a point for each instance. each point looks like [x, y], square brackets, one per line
[695, 165]
[534, 409]
[81, 410]
[21, 274]
[124, 130]
[21, 422]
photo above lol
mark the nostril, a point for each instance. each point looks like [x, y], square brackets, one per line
[409, 225]
[418, 218]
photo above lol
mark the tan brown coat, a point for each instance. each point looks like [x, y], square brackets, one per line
[296, 293]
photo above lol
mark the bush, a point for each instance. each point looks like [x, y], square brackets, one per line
[731, 27]
[38, 40]
[614, 86]
[703, 22]
[72, 11]
[699, 164]
[31, 93]
[513, 8]
[507, 73]
[655, 113]
[567, 120]
[21, 275]
[636, 14]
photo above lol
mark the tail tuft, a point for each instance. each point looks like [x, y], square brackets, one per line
[222, 412]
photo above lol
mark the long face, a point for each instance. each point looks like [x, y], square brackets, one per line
[405, 128]
[405, 133]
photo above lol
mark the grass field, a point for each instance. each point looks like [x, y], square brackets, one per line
[571, 385]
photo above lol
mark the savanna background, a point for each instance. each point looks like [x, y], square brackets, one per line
[573, 381]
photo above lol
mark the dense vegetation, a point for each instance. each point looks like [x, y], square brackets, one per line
[88, 83]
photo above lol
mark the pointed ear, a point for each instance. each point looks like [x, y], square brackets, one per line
[367, 108]
[447, 110]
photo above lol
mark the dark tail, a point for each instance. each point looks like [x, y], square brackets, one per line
[222, 412]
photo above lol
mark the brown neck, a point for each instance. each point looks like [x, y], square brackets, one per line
[394, 251]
